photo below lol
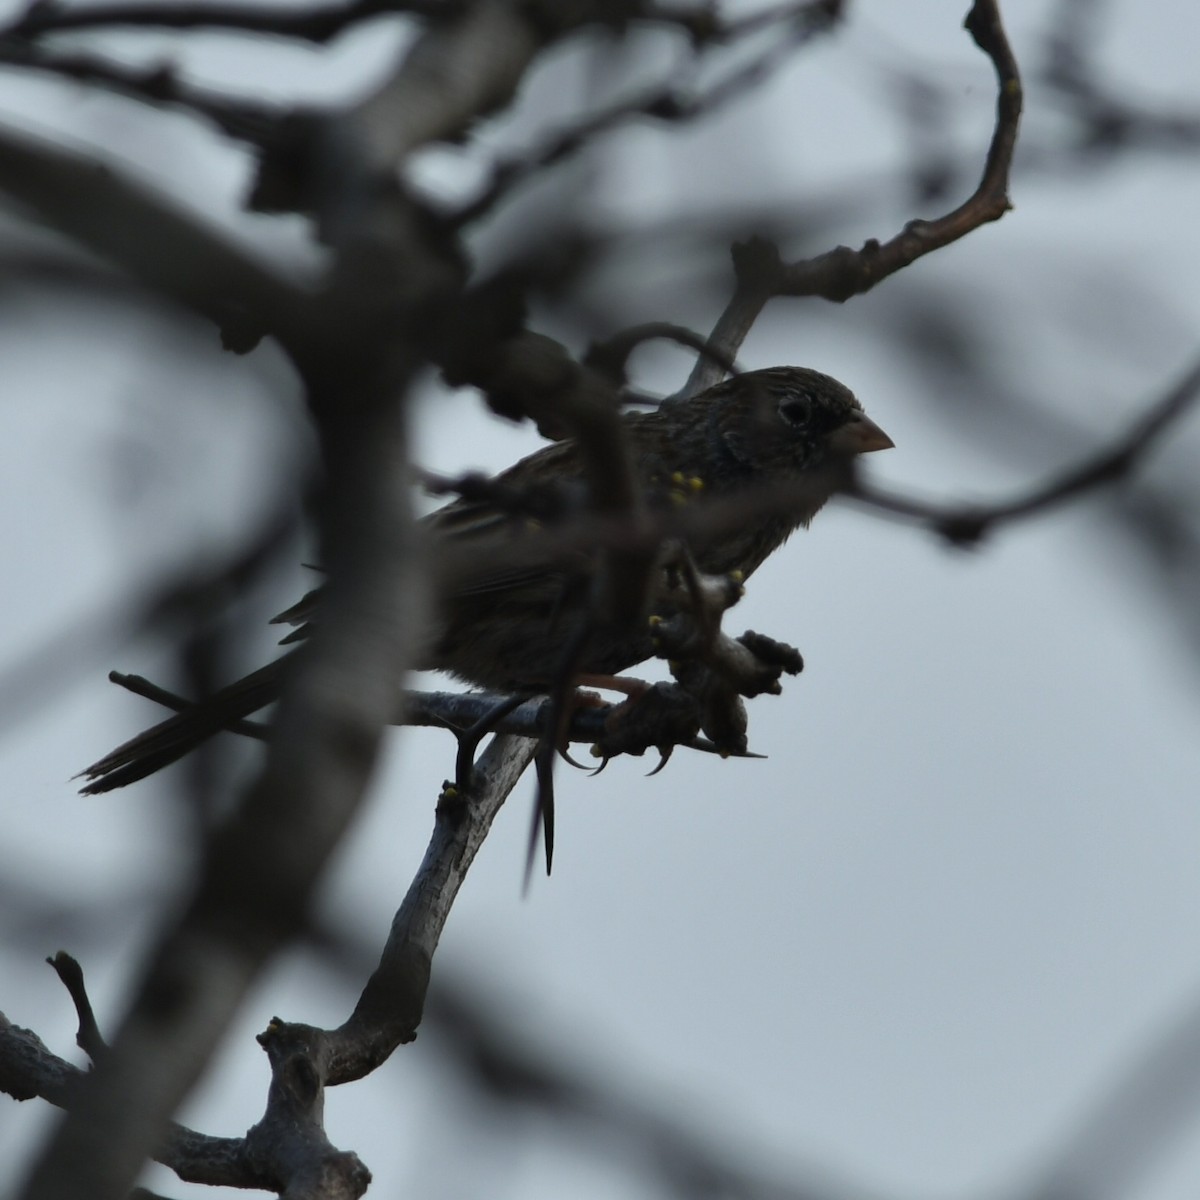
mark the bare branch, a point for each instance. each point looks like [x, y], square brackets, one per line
[88, 1038]
[320, 23]
[758, 269]
[969, 524]
[610, 356]
[842, 273]
[1129, 1128]
[28, 1069]
[390, 1007]
[682, 1162]
[156, 85]
[1108, 119]
[149, 237]
[260, 866]
[673, 100]
[180, 599]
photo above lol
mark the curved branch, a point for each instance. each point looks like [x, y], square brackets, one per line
[968, 524]
[391, 1004]
[671, 100]
[842, 273]
[316, 24]
[157, 84]
[151, 238]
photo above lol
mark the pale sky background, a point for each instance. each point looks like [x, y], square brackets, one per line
[910, 950]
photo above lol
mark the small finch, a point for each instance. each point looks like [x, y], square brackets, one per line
[509, 624]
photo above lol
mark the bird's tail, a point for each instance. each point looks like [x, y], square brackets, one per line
[170, 740]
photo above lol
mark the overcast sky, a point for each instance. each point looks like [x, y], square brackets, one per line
[915, 946]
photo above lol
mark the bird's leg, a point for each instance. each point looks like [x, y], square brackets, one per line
[613, 683]
[632, 689]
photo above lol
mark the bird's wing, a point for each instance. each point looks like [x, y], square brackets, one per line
[462, 523]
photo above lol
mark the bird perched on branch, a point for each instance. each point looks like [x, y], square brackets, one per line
[752, 459]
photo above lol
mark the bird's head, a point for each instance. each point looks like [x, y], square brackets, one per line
[792, 420]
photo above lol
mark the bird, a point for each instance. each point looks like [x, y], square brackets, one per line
[511, 623]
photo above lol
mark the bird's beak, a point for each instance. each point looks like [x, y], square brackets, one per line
[860, 435]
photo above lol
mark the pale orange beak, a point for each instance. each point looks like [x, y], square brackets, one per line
[860, 435]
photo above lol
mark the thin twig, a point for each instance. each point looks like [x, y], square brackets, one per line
[671, 100]
[965, 525]
[316, 24]
[88, 1037]
[842, 273]
[610, 356]
[245, 120]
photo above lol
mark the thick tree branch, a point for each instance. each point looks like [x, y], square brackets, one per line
[29, 1070]
[152, 239]
[390, 1007]
[259, 867]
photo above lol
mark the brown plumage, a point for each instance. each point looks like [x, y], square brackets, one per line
[512, 611]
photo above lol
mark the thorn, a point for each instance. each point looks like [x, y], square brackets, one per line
[469, 739]
[543, 812]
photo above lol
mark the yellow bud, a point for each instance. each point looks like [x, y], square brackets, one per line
[655, 619]
[737, 576]
[696, 483]
[677, 478]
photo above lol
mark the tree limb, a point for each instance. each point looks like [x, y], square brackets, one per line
[842, 273]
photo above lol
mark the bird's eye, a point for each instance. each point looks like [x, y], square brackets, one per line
[795, 412]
